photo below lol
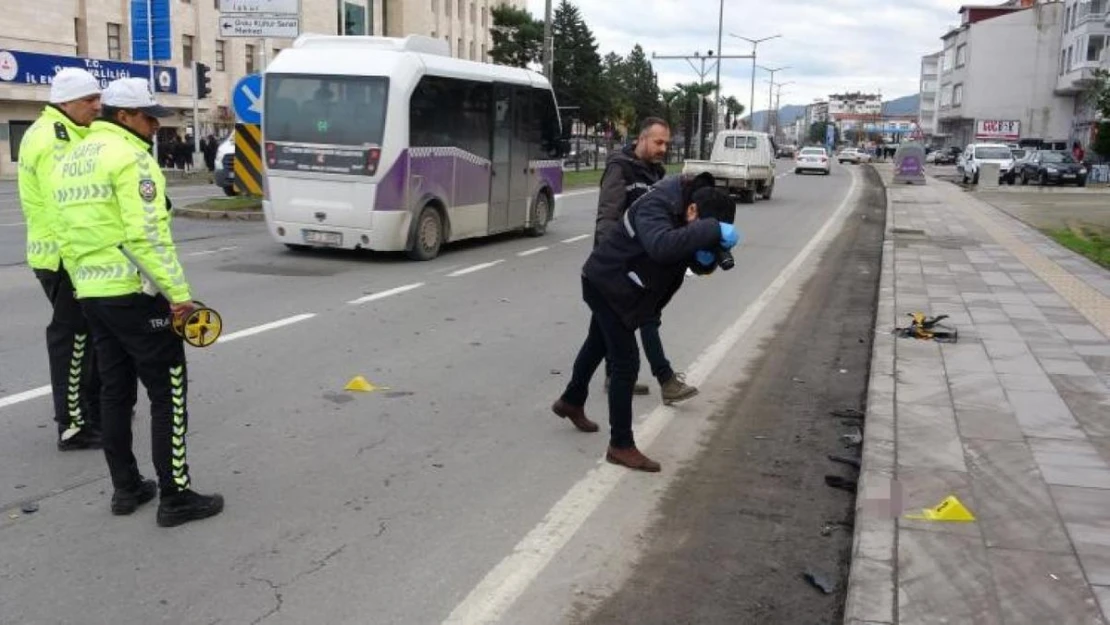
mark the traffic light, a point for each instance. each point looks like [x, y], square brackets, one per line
[204, 83]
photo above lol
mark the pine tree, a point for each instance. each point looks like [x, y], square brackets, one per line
[642, 88]
[517, 37]
[577, 66]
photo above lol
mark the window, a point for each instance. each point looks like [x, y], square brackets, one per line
[250, 59]
[946, 95]
[928, 86]
[949, 60]
[741, 143]
[957, 95]
[485, 18]
[1067, 18]
[473, 13]
[450, 112]
[961, 55]
[471, 57]
[220, 51]
[459, 10]
[460, 48]
[114, 48]
[353, 19]
[329, 110]
[1095, 45]
[80, 41]
[1074, 16]
[187, 50]
[1063, 62]
[1069, 58]
[483, 59]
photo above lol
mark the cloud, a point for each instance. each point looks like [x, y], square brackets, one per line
[830, 46]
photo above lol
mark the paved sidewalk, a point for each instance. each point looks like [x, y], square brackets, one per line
[1014, 420]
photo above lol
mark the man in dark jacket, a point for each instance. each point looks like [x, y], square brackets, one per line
[627, 280]
[628, 175]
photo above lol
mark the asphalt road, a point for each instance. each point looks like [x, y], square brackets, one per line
[451, 494]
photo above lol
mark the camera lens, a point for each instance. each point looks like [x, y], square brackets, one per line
[724, 259]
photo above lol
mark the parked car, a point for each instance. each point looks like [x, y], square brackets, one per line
[742, 161]
[977, 154]
[786, 151]
[812, 159]
[1050, 167]
[224, 174]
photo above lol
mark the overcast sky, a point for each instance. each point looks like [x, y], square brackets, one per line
[830, 45]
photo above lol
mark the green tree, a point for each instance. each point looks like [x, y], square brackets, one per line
[672, 105]
[517, 37]
[817, 131]
[577, 66]
[614, 83]
[640, 85]
[1098, 98]
[733, 111]
[692, 96]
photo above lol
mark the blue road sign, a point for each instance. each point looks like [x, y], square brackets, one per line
[160, 30]
[247, 99]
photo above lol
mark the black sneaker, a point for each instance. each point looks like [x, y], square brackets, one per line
[184, 506]
[125, 502]
[85, 438]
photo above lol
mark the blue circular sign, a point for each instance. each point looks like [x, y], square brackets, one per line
[247, 99]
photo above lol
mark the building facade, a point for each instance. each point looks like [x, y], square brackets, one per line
[854, 104]
[38, 38]
[929, 91]
[1084, 41]
[998, 76]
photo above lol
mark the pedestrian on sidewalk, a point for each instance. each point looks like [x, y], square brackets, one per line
[74, 104]
[627, 280]
[629, 173]
[1077, 152]
[113, 199]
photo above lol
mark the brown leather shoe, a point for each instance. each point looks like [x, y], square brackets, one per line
[576, 414]
[633, 459]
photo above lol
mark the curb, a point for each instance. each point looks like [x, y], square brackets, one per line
[204, 213]
[871, 583]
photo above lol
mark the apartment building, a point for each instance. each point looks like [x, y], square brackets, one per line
[856, 103]
[1083, 49]
[929, 90]
[998, 76]
[38, 38]
[817, 112]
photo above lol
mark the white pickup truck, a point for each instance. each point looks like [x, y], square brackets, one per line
[742, 161]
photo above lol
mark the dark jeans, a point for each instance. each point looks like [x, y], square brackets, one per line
[133, 341]
[608, 339]
[653, 348]
[73, 375]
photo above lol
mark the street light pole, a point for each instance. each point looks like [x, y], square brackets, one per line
[717, 98]
[701, 72]
[770, 102]
[755, 44]
[548, 44]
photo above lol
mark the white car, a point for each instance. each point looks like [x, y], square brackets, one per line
[977, 154]
[812, 159]
[224, 175]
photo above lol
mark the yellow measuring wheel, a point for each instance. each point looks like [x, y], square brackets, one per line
[199, 328]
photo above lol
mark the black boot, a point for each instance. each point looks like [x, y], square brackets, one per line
[184, 506]
[85, 438]
[125, 502]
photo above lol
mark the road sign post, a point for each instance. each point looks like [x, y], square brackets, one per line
[247, 99]
[260, 19]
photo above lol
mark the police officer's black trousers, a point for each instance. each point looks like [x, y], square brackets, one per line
[73, 375]
[134, 339]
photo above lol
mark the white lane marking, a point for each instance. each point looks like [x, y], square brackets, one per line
[535, 250]
[576, 193]
[505, 583]
[472, 269]
[34, 393]
[215, 251]
[273, 325]
[18, 223]
[577, 238]
[384, 294]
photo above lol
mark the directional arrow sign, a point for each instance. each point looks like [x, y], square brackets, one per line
[259, 26]
[247, 99]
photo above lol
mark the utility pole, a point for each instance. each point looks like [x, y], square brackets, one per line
[770, 103]
[776, 129]
[755, 44]
[548, 44]
[717, 97]
[702, 73]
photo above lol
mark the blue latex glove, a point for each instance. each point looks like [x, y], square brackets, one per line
[705, 258]
[729, 236]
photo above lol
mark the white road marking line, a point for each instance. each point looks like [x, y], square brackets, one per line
[273, 325]
[577, 238]
[384, 294]
[535, 250]
[18, 223]
[34, 393]
[574, 193]
[215, 251]
[463, 272]
[489, 601]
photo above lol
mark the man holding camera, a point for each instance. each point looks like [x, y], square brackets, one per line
[629, 278]
[628, 175]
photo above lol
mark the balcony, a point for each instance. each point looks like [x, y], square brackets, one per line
[1078, 79]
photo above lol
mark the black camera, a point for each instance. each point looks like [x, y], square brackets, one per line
[724, 259]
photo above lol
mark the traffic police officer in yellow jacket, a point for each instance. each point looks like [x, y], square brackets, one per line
[111, 194]
[74, 103]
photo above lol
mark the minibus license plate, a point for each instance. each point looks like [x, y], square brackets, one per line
[323, 238]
